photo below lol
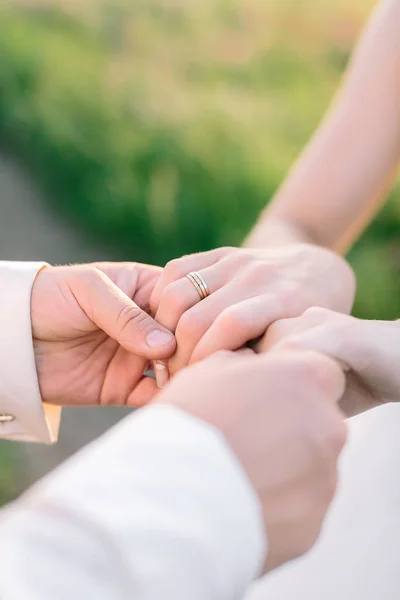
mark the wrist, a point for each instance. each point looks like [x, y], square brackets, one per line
[271, 232]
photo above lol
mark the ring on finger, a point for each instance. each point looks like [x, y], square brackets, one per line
[198, 282]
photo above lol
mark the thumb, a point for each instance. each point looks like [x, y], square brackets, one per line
[117, 315]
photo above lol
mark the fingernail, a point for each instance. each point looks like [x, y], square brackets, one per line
[157, 338]
[161, 373]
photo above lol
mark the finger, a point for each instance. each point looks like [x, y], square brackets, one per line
[336, 335]
[137, 280]
[237, 325]
[358, 397]
[143, 393]
[323, 340]
[176, 269]
[122, 374]
[161, 372]
[195, 322]
[309, 371]
[224, 357]
[329, 374]
[278, 330]
[244, 352]
[181, 295]
[116, 314]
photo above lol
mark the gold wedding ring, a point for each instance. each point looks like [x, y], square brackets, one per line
[201, 287]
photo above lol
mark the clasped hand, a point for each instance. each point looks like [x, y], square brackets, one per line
[94, 334]
[94, 338]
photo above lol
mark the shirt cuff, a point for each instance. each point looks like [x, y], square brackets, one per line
[23, 414]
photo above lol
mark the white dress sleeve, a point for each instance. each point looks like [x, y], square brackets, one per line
[357, 555]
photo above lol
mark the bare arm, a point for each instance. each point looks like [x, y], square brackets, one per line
[342, 177]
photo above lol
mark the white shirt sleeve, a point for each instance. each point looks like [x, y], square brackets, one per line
[23, 415]
[158, 508]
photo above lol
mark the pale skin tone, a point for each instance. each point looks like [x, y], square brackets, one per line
[249, 290]
[279, 414]
[368, 351]
[87, 354]
[91, 343]
[92, 337]
[330, 195]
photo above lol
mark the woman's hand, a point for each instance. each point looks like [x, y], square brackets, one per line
[368, 350]
[92, 335]
[249, 290]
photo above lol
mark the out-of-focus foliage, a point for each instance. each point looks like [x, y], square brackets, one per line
[11, 478]
[165, 126]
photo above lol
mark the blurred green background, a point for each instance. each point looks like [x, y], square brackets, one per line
[161, 127]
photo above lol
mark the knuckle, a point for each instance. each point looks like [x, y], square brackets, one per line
[131, 315]
[190, 326]
[318, 314]
[292, 297]
[328, 439]
[319, 372]
[223, 252]
[289, 298]
[232, 319]
[336, 436]
[174, 269]
[279, 332]
[306, 368]
[237, 260]
[258, 272]
[227, 249]
[172, 297]
[289, 345]
[220, 356]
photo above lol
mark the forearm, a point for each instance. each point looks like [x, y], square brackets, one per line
[343, 175]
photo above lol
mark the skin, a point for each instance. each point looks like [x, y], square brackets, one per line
[331, 194]
[279, 414]
[90, 334]
[328, 198]
[341, 178]
[369, 351]
[249, 290]
[91, 347]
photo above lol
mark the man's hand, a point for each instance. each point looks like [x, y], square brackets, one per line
[92, 335]
[279, 415]
[249, 290]
[368, 350]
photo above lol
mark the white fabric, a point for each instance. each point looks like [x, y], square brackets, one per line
[34, 421]
[158, 508]
[358, 554]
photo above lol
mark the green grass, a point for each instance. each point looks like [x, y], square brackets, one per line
[164, 128]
